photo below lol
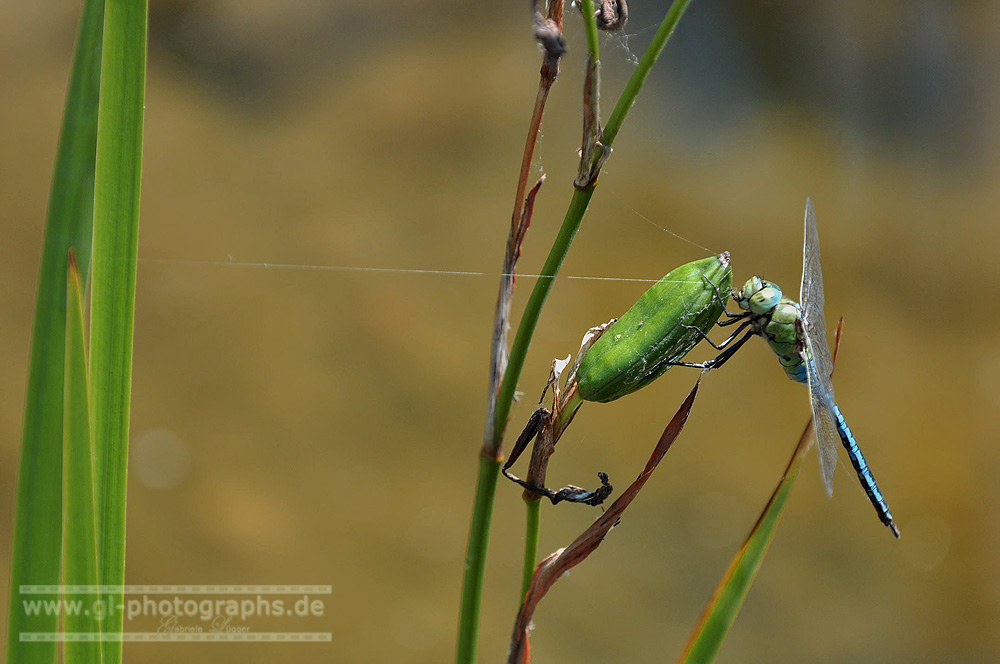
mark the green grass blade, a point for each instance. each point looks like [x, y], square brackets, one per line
[721, 611]
[37, 536]
[79, 520]
[116, 234]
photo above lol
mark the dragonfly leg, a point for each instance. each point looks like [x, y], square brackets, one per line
[720, 346]
[720, 359]
[718, 295]
[722, 301]
[734, 318]
[724, 356]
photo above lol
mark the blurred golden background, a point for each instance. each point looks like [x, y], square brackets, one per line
[317, 419]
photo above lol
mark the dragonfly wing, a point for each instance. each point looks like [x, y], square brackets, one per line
[811, 298]
[818, 360]
[824, 424]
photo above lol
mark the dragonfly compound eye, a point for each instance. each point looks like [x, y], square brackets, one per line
[742, 298]
[765, 299]
[758, 296]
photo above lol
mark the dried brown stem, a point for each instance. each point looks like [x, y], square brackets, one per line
[548, 32]
[592, 153]
[565, 404]
[611, 15]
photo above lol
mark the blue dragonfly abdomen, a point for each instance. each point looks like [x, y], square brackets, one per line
[861, 468]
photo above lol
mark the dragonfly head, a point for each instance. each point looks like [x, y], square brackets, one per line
[758, 296]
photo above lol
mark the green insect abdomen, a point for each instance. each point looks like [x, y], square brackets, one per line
[644, 342]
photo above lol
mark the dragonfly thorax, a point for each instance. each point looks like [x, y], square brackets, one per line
[778, 320]
[758, 296]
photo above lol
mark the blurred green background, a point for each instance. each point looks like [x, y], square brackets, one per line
[321, 424]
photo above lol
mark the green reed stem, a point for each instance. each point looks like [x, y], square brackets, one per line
[475, 560]
[532, 524]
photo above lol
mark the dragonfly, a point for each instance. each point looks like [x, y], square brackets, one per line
[796, 333]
